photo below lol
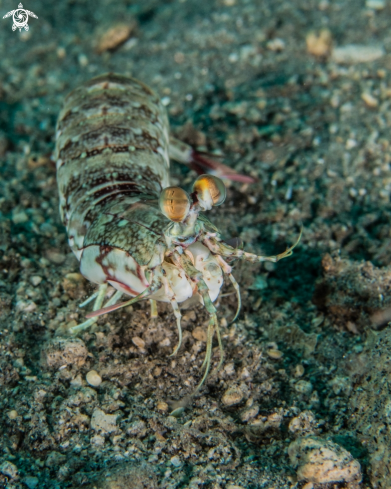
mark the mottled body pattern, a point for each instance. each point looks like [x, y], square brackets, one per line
[112, 149]
[112, 156]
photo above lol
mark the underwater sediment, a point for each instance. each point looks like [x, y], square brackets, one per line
[295, 95]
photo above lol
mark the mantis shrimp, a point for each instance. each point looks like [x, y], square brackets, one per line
[126, 225]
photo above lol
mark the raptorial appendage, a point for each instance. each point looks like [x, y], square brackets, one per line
[125, 225]
[195, 250]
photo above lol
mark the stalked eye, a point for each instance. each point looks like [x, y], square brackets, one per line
[210, 190]
[174, 202]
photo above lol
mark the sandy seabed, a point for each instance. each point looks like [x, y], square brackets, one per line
[295, 94]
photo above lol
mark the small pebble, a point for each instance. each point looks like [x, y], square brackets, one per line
[106, 423]
[162, 406]
[164, 343]
[9, 469]
[12, 414]
[370, 100]
[199, 334]
[276, 45]
[299, 370]
[35, 280]
[65, 351]
[319, 44]
[26, 306]
[31, 482]
[303, 387]
[249, 413]
[137, 428]
[176, 461]
[55, 256]
[61, 53]
[139, 342]
[77, 381]
[83, 60]
[157, 371]
[275, 354]
[98, 440]
[232, 396]
[115, 36]
[93, 378]
[20, 217]
[303, 425]
[177, 413]
[350, 144]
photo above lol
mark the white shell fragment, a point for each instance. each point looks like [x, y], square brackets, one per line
[355, 53]
[93, 378]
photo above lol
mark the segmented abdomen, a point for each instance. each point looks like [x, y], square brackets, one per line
[112, 146]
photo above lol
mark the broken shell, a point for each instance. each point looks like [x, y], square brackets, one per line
[93, 378]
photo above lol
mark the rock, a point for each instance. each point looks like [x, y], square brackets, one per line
[64, 351]
[12, 414]
[106, 423]
[249, 413]
[341, 386]
[26, 306]
[162, 406]
[126, 476]
[35, 280]
[276, 45]
[115, 36]
[322, 461]
[274, 353]
[98, 440]
[370, 405]
[55, 256]
[139, 342]
[19, 217]
[304, 424]
[73, 285]
[9, 469]
[31, 482]
[137, 428]
[319, 44]
[355, 53]
[55, 459]
[350, 282]
[370, 101]
[232, 396]
[176, 461]
[199, 334]
[303, 387]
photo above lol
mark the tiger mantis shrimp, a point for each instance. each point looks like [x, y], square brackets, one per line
[125, 224]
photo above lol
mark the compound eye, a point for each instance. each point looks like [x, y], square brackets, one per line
[174, 203]
[210, 188]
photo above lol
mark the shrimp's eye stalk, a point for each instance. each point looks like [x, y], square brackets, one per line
[210, 191]
[175, 203]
